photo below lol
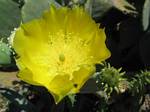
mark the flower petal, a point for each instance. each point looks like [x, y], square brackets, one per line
[100, 51]
[26, 75]
[60, 86]
[81, 76]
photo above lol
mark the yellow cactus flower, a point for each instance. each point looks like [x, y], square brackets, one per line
[59, 50]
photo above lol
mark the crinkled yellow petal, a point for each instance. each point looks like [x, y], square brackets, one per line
[26, 75]
[59, 50]
[55, 19]
[81, 76]
[101, 52]
[32, 76]
[60, 86]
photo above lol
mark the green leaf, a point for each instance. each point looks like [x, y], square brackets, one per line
[34, 8]
[99, 7]
[72, 98]
[146, 14]
[123, 6]
[5, 53]
[10, 17]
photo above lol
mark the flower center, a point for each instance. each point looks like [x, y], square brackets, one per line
[61, 57]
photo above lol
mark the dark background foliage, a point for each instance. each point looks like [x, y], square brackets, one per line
[126, 39]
